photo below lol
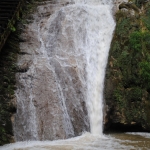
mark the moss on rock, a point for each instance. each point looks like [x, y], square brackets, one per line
[128, 70]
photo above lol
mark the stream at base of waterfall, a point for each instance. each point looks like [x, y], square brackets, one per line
[120, 141]
[60, 96]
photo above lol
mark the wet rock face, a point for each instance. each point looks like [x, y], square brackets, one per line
[51, 93]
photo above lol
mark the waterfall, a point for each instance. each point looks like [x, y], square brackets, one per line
[61, 93]
[99, 28]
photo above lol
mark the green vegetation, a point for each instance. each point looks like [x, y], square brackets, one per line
[129, 66]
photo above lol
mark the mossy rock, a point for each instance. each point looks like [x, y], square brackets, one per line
[129, 70]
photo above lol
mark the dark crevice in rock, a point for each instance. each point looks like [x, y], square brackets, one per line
[22, 70]
[129, 6]
[119, 127]
[23, 53]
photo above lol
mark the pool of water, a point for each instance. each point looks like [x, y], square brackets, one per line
[115, 141]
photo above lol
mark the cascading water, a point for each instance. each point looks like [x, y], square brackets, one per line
[99, 27]
[66, 49]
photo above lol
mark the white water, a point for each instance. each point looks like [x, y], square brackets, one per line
[68, 55]
[98, 23]
[88, 28]
[99, 26]
[84, 142]
[130, 141]
[95, 18]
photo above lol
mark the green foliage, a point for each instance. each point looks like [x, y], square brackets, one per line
[145, 73]
[11, 27]
[119, 97]
[134, 94]
[135, 40]
[147, 22]
[130, 67]
[123, 27]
